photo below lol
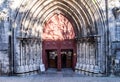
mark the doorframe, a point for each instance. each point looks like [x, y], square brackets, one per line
[59, 47]
[67, 50]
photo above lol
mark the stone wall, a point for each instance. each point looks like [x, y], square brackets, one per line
[4, 38]
[4, 56]
[114, 32]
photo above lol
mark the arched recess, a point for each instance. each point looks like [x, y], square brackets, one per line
[88, 23]
[59, 37]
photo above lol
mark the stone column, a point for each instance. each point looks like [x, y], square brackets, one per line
[78, 55]
[38, 55]
[25, 52]
[100, 56]
[40, 48]
[91, 59]
[87, 53]
[93, 54]
[84, 55]
[21, 54]
[87, 57]
[28, 52]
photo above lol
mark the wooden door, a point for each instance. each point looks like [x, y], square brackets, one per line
[66, 58]
[52, 58]
[69, 59]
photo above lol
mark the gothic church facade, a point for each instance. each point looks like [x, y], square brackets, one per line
[80, 34]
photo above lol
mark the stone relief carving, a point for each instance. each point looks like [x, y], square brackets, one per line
[116, 12]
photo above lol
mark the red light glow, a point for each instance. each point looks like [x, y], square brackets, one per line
[58, 27]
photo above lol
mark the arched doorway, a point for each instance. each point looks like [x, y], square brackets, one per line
[58, 43]
[89, 32]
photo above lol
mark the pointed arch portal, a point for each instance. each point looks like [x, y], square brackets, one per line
[48, 29]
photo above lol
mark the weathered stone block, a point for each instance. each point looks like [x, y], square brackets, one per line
[3, 46]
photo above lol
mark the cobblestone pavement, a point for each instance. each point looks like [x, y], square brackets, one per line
[63, 76]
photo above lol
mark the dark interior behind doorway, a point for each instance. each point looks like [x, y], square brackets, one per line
[66, 58]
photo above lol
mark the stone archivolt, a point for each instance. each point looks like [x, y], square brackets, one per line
[87, 23]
